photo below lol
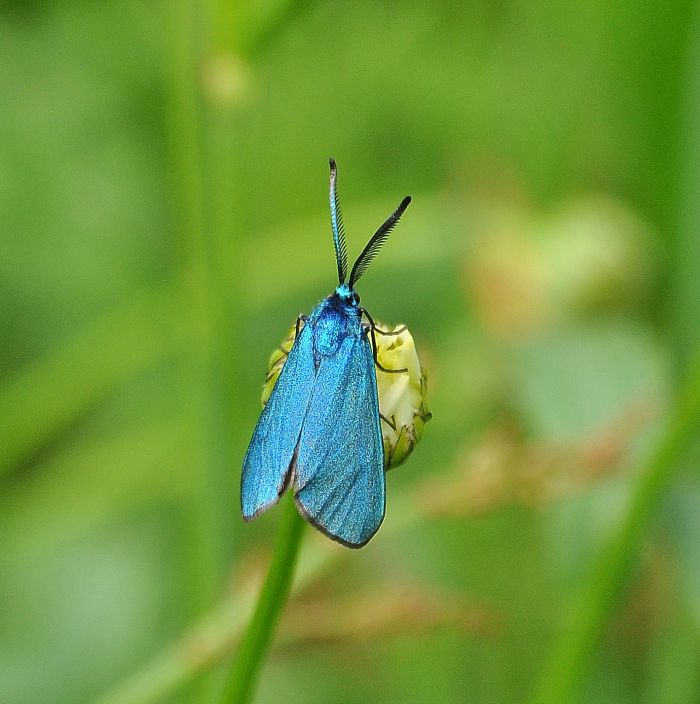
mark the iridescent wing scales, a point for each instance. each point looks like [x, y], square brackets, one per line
[271, 450]
[339, 470]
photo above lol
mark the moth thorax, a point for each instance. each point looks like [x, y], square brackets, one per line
[329, 331]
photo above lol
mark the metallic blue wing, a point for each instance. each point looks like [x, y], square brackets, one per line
[339, 469]
[271, 450]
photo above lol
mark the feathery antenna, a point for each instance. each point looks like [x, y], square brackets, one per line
[341, 251]
[374, 245]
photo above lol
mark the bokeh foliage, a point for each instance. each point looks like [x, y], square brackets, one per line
[163, 203]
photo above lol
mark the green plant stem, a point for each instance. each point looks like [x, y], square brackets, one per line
[42, 399]
[258, 636]
[572, 654]
[197, 302]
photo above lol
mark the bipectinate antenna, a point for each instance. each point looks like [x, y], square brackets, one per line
[341, 251]
[374, 245]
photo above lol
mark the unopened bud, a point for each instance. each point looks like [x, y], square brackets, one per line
[402, 396]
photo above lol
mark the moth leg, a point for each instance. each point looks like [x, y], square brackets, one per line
[300, 319]
[388, 422]
[375, 349]
[387, 333]
[375, 352]
[403, 328]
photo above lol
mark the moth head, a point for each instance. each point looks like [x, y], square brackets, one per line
[347, 295]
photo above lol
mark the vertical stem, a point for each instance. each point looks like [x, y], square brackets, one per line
[258, 636]
[572, 654]
[683, 317]
[198, 304]
[223, 145]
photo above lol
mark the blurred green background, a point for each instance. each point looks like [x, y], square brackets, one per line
[163, 199]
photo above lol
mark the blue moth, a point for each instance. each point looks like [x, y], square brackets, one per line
[320, 433]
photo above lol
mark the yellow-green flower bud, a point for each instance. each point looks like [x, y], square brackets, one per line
[402, 397]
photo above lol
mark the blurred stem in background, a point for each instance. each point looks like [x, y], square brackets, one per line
[199, 303]
[572, 655]
[258, 635]
[684, 315]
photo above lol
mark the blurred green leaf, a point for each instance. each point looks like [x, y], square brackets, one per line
[570, 383]
[39, 402]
